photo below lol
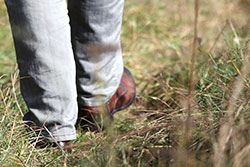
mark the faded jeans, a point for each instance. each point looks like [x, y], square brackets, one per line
[66, 55]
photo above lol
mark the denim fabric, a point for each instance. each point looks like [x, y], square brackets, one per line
[65, 59]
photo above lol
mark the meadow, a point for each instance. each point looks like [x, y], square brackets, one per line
[193, 101]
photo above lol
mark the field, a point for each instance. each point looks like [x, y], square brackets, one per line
[196, 117]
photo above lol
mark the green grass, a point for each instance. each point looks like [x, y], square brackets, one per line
[157, 42]
[7, 53]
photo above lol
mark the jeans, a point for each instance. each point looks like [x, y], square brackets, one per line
[66, 55]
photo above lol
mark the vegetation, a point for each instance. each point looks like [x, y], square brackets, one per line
[157, 44]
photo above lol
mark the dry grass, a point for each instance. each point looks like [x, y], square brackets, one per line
[157, 43]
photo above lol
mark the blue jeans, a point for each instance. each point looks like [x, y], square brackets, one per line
[66, 55]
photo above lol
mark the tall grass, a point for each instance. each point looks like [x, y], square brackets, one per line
[157, 44]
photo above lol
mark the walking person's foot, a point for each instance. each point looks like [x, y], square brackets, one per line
[90, 117]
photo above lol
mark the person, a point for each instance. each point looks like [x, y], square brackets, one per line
[70, 62]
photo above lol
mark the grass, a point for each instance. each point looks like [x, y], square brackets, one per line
[7, 56]
[157, 42]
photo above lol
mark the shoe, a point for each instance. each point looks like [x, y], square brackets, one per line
[90, 117]
[40, 141]
[64, 145]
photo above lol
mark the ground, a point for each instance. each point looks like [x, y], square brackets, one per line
[157, 40]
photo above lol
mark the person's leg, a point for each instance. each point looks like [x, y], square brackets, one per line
[45, 58]
[95, 28]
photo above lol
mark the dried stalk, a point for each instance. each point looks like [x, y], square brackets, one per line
[191, 76]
